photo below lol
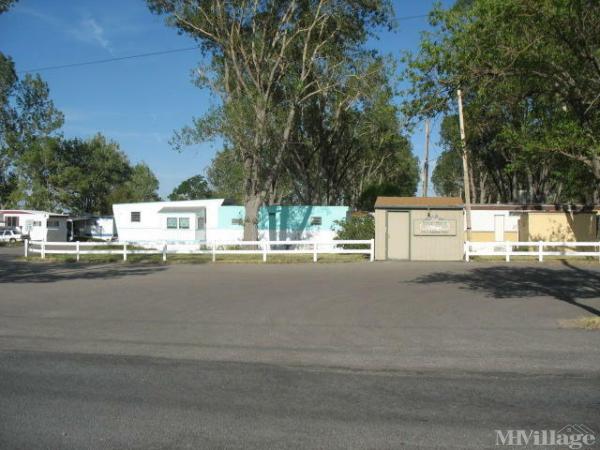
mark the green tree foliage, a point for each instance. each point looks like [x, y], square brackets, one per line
[80, 176]
[530, 73]
[226, 175]
[367, 199]
[356, 227]
[141, 186]
[41, 170]
[28, 119]
[269, 60]
[349, 140]
[5, 5]
[194, 188]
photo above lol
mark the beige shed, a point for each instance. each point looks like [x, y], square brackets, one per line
[419, 228]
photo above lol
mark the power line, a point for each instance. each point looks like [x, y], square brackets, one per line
[420, 16]
[144, 55]
[107, 60]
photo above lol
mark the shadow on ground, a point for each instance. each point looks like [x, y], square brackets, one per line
[23, 272]
[568, 284]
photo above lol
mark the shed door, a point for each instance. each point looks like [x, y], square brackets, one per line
[398, 235]
[499, 228]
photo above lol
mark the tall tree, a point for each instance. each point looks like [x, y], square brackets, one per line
[226, 175]
[351, 139]
[194, 188]
[80, 176]
[269, 58]
[141, 186]
[28, 118]
[531, 74]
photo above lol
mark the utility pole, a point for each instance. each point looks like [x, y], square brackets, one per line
[465, 163]
[426, 161]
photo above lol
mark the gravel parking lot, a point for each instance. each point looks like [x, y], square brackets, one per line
[353, 330]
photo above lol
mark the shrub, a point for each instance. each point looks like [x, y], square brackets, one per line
[356, 227]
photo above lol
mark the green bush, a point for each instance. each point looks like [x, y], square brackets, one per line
[356, 227]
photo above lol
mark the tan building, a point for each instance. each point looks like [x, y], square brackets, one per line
[419, 228]
[525, 223]
[559, 226]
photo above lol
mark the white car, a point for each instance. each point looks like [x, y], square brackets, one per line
[10, 235]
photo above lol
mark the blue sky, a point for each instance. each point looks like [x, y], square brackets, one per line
[138, 102]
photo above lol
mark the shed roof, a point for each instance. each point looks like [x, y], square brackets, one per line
[419, 202]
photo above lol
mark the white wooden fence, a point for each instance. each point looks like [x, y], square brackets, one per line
[535, 249]
[214, 248]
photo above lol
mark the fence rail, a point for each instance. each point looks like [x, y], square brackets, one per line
[538, 249]
[214, 248]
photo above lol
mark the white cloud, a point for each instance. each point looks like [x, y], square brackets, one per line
[90, 31]
[87, 30]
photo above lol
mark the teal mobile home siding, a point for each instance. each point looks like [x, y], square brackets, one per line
[284, 218]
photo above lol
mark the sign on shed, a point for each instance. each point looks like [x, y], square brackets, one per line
[419, 228]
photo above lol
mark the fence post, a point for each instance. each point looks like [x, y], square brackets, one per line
[43, 249]
[372, 253]
[213, 248]
[165, 252]
[264, 249]
[26, 247]
[508, 248]
[125, 251]
[540, 251]
[467, 254]
[315, 251]
[77, 250]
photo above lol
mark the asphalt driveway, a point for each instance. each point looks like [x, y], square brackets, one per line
[363, 353]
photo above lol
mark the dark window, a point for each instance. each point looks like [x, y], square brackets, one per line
[315, 220]
[37, 223]
[237, 222]
[52, 224]
[12, 221]
[201, 223]
[171, 222]
[136, 216]
[184, 223]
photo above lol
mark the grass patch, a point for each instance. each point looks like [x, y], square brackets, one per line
[584, 323]
[199, 259]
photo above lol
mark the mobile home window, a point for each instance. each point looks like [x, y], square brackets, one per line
[316, 220]
[201, 224]
[12, 221]
[237, 222]
[52, 224]
[136, 216]
[171, 222]
[184, 223]
[37, 223]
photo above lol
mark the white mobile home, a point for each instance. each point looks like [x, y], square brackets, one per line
[167, 221]
[37, 225]
[212, 220]
[495, 223]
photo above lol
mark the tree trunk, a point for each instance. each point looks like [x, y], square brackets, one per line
[596, 173]
[252, 204]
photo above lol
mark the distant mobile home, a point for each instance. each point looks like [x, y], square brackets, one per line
[214, 220]
[93, 227]
[497, 223]
[37, 225]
